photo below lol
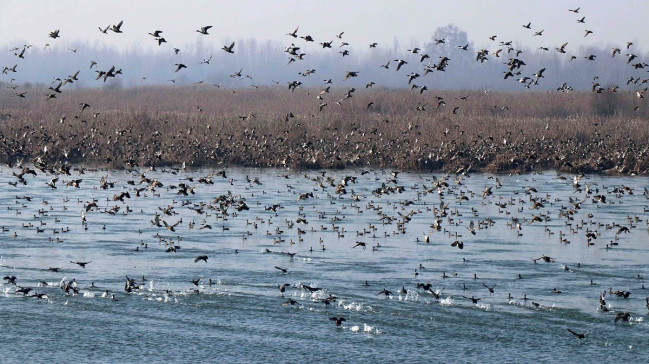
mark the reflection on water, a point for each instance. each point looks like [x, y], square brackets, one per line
[336, 243]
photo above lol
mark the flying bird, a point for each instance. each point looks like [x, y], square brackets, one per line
[116, 28]
[229, 48]
[204, 29]
[579, 335]
[81, 264]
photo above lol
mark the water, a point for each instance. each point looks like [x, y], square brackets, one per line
[242, 316]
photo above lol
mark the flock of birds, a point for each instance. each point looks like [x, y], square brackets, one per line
[441, 201]
[514, 65]
[446, 223]
[122, 146]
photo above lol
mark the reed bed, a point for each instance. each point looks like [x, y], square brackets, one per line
[276, 127]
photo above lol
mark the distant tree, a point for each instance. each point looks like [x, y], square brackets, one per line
[463, 71]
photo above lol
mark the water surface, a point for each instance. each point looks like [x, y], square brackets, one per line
[241, 316]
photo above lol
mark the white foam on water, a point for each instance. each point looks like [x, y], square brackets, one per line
[354, 306]
[88, 295]
[485, 306]
[409, 296]
[366, 329]
[448, 301]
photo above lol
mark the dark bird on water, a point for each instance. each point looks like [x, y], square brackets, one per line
[311, 289]
[544, 258]
[385, 292]
[491, 289]
[579, 335]
[200, 257]
[81, 264]
[291, 302]
[337, 320]
[624, 316]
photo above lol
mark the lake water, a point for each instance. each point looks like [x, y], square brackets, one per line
[241, 316]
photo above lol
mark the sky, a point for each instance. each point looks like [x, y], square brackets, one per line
[410, 22]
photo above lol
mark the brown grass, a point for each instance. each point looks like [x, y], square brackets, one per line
[201, 126]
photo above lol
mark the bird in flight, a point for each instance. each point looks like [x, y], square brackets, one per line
[337, 320]
[204, 29]
[229, 48]
[81, 264]
[116, 28]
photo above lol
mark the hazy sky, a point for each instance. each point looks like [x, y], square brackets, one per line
[411, 22]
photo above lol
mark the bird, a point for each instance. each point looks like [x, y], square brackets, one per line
[294, 32]
[385, 292]
[179, 66]
[200, 257]
[579, 335]
[474, 300]
[290, 301]
[282, 287]
[54, 34]
[337, 320]
[203, 30]
[284, 270]
[491, 289]
[311, 289]
[229, 48]
[81, 264]
[544, 258]
[400, 62]
[624, 316]
[116, 28]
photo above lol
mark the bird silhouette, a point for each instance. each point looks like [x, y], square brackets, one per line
[229, 48]
[200, 257]
[203, 30]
